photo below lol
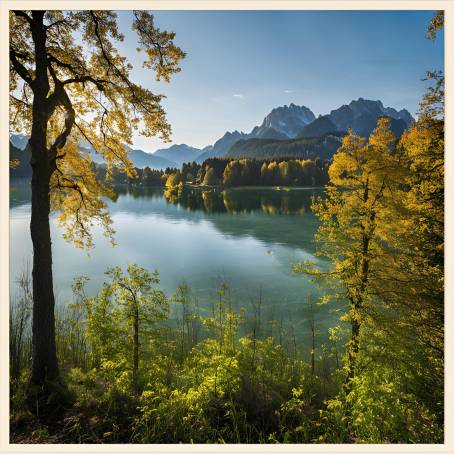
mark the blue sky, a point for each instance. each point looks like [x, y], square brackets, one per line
[241, 64]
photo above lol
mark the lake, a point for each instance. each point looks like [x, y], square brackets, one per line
[247, 236]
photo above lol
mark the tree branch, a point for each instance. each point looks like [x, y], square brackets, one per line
[56, 23]
[60, 97]
[20, 69]
[24, 15]
[108, 60]
[82, 79]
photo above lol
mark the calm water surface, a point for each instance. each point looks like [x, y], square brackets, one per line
[249, 237]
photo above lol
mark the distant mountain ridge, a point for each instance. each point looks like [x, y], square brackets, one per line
[285, 123]
[281, 123]
[286, 129]
[178, 154]
[361, 116]
[22, 169]
[221, 146]
[319, 127]
[139, 158]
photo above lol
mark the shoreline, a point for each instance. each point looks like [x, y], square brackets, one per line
[274, 188]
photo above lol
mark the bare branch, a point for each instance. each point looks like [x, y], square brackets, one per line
[82, 79]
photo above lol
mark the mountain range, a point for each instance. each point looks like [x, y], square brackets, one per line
[287, 131]
[283, 128]
[139, 158]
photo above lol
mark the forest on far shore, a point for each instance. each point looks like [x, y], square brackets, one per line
[227, 173]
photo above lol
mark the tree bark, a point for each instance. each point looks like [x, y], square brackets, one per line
[312, 324]
[313, 347]
[353, 349]
[135, 366]
[44, 357]
[356, 304]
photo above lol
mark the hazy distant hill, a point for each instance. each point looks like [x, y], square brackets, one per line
[221, 146]
[319, 127]
[139, 158]
[142, 159]
[178, 153]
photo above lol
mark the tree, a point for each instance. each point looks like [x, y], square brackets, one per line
[174, 180]
[273, 172]
[141, 304]
[232, 174]
[63, 94]
[188, 321]
[284, 173]
[210, 178]
[122, 317]
[414, 289]
[313, 328]
[435, 25]
[417, 293]
[364, 176]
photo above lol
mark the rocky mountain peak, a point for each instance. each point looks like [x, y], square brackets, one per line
[286, 120]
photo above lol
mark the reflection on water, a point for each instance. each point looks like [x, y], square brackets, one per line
[248, 236]
[242, 200]
[19, 192]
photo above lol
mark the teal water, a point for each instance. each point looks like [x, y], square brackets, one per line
[249, 237]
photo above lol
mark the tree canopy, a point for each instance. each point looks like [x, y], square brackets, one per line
[88, 97]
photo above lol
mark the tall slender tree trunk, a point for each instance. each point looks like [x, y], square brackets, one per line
[313, 347]
[135, 365]
[44, 358]
[357, 303]
[353, 350]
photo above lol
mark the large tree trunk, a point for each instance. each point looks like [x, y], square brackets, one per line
[357, 303]
[44, 358]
